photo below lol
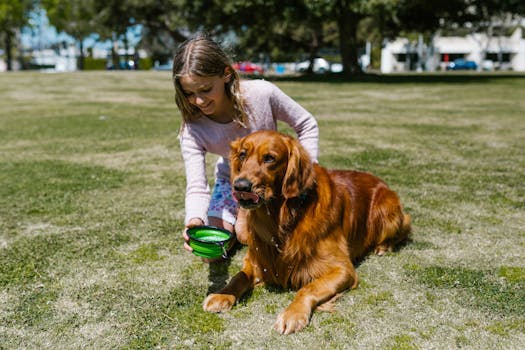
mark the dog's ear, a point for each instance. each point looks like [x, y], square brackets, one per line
[234, 146]
[299, 174]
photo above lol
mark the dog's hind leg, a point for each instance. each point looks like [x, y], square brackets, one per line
[387, 220]
[392, 235]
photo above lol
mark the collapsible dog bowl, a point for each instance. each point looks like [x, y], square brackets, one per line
[209, 241]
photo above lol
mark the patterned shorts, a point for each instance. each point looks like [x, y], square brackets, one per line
[222, 204]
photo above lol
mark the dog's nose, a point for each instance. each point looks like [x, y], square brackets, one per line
[242, 185]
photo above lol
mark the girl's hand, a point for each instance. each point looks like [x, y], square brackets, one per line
[192, 223]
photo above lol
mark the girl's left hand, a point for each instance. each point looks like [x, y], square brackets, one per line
[192, 223]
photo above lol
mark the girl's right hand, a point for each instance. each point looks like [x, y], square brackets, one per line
[192, 223]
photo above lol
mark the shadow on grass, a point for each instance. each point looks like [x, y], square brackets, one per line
[218, 273]
[398, 247]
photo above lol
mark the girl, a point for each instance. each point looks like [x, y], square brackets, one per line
[216, 109]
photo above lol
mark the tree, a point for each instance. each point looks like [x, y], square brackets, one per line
[75, 17]
[166, 22]
[115, 17]
[390, 17]
[14, 15]
[472, 16]
[275, 27]
[300, 24]
[348, 14]
[269, 27]
[286, 26]
[165, 16]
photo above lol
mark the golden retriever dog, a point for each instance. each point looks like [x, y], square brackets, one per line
[304, 225]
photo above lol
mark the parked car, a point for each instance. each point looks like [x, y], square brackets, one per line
[488, 65]
[321, 66]
[248, 68]
[462, 64]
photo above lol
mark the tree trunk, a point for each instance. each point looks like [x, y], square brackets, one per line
[175, 34]
[81, 57]
[114, 53]
[347, 22]
[314, 49]
[8, 50]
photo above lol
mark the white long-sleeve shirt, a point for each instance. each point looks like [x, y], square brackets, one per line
[265, 105]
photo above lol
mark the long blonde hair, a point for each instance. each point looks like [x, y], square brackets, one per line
[204, 57]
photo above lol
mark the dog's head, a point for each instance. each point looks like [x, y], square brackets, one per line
[268, 165]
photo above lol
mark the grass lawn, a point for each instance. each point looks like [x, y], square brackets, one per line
[92, 202]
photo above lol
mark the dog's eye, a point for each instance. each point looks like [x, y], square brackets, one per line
[242, 155]
[268, 158]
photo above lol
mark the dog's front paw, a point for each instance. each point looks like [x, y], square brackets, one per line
[291, 321]
[218, 302]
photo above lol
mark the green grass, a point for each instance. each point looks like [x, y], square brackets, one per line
[92, 202]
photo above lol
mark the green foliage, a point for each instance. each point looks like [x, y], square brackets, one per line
[78, 18]
[266, 29]
[14, 14]
[94, 63]
[145, 63]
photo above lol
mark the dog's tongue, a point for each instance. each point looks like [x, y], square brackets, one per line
[245, 196]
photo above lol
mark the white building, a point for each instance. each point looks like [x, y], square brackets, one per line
[495, 52]
[65, 59]
[62, 60]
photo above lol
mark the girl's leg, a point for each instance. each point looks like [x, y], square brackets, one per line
[222, 211]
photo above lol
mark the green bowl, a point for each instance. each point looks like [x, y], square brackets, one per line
[209, 241]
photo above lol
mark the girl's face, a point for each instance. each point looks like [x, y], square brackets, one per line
[208, 94]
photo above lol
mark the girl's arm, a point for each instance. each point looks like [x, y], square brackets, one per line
[197, 189]
[302, 121]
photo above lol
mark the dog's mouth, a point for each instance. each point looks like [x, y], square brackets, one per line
[247, 199]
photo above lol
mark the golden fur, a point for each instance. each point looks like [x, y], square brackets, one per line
[304, 225]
